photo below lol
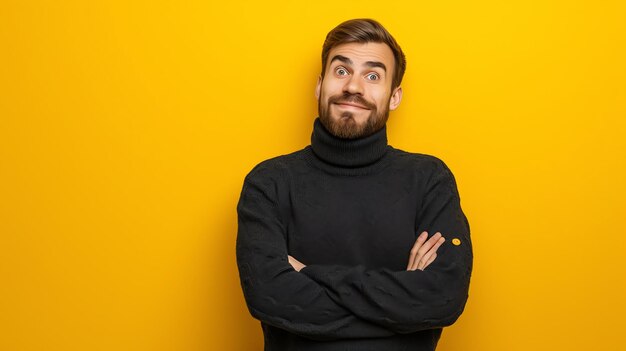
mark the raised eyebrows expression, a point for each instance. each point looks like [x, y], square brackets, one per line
[348, 61]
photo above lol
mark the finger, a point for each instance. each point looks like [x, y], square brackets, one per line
[424, 249]
[433, 251]
[416, 246]
[428, 245]
[418, 243]
[431, 260]
[411, 259]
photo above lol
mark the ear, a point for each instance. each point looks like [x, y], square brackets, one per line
[318, 88]
[396, 97]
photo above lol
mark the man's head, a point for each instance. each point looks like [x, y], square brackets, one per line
[362, 68]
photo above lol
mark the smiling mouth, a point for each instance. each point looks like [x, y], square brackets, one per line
[347, 104]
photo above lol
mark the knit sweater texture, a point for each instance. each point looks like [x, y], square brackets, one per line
[351, 210]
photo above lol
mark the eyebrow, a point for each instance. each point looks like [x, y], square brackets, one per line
[347, 61]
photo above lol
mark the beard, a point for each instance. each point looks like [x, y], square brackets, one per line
[345, 126]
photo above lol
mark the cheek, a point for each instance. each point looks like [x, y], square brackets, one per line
[381, 98]
[330, 87]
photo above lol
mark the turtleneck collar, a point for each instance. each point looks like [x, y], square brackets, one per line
[347, 152]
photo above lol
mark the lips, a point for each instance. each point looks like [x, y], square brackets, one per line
[350, 104]
[351, 101]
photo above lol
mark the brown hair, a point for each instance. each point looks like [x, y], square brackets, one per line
[364, 30]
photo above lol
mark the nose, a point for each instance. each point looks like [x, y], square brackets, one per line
[353, 85]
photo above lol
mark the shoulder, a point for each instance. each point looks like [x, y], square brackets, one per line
[275, 168]
[432, 172]
[423, 163]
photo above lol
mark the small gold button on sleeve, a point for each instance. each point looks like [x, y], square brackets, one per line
[456, 241]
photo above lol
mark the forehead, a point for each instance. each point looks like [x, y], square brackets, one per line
[363, 52]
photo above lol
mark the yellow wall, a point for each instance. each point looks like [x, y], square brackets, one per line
[127, 128]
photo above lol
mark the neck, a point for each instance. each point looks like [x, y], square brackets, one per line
[348, 152]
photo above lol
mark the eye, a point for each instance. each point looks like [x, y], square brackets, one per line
[373, 76]
[340, 71]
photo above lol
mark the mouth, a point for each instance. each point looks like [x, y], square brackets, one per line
[351, 105]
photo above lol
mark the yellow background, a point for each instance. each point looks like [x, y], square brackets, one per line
[127, 129]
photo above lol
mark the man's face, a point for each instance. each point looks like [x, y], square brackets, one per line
[355, 95]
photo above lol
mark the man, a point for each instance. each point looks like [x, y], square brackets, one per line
[349, 243]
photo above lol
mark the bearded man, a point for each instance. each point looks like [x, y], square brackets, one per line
[350, 243]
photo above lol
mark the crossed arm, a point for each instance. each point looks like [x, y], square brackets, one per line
[339, 302]
[421, 255]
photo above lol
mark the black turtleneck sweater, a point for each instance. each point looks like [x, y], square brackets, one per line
[351, 210]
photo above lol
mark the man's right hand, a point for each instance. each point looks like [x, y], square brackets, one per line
[424, 251]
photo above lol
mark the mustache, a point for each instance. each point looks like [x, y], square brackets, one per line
[351, 98]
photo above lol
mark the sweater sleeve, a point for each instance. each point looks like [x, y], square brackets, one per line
[409, 301]
[274, 291]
